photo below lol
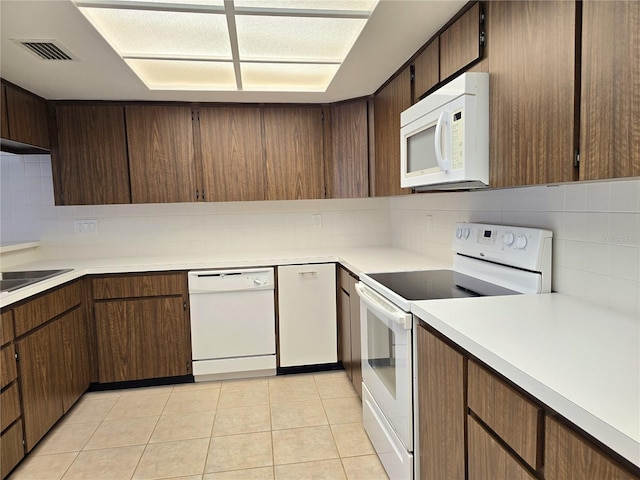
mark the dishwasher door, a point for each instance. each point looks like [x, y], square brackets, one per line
[232, 323]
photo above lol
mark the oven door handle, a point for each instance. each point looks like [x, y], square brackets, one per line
[383, 307]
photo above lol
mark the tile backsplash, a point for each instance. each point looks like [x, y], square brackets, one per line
[596, 226]
[28, 213]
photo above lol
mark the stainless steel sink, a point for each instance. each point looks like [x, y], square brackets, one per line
[10, 281]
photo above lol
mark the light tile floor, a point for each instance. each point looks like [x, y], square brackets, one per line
[289, 427]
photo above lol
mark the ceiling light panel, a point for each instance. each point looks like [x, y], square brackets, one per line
[184, 75]
[311, 39]
[364, 6]
[287, 77]
[142, 33]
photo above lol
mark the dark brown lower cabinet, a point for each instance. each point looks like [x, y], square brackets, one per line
[142, 339]
[349, 328]
[12, 448]
[441, 408]
[40, 373]
[568, 457]
[488, 460]
[75, 370]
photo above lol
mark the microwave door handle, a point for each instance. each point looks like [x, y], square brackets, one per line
[442, 162]
[382, 307]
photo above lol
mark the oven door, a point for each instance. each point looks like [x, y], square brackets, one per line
[386, 361]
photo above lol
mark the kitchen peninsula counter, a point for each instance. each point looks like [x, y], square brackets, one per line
[581, 360]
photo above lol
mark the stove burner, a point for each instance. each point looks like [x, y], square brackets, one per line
[435, 284]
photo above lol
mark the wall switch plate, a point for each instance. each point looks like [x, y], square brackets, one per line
[86, 227]
[317, 220]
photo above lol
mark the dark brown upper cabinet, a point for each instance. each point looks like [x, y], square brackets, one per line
[293, 140]
[161, 153]
[91, 164]
[231, 154]
[609, 135]
[389, 102]
[348, 159]
[24, 118]
[4, 119]
[427, 68]
[460, 43]
[532, 61]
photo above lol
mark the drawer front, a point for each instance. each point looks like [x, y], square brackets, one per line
[36, 312]
[512, 417]
[487, 458]
[568, 455]
[134, 286]
[12, 449]
[343, 279]
[8, 372]
[9, 406]
[6, 329]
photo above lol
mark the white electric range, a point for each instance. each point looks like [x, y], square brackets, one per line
[489, 260]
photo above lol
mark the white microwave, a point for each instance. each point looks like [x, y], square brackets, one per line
[444, 138]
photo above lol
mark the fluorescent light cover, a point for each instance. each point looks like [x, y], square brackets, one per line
[296, 38]
[287, 77]
[165, 34]
[365, 6]
[214, 3]
[184, 75]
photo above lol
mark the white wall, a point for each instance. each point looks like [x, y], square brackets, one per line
[596, 228]
[28, 213]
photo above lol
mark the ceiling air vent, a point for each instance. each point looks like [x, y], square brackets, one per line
[47, 50]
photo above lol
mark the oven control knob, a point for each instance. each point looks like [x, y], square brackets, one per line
[508, 238]
[458, 232]
[465, 233]
[521, 242]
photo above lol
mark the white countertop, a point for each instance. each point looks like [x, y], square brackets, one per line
[580, 359]
[357, 260]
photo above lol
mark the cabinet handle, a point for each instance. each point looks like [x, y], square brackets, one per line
[310, 272]
[197, 194]
[203, 194]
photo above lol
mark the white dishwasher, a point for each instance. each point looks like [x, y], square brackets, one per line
[232, 323]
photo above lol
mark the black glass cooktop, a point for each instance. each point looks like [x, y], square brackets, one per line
[434, 284]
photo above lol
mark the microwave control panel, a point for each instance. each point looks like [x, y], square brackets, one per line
[457, 140]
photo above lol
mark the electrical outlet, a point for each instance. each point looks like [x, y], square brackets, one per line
[317, 220]
[429, 223]
[86, 227]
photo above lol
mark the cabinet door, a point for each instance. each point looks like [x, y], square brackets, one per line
[231, 152]
[348, 167]
[307, 315]
[4, 118]
[569, 457]
[532, 89]
[441, 409]
[92, 158]
[161, 158]
[460, 43]
[40, 365]
[76, 371]
[427, 68]
[389, 103]
[27, 118]
[344, 321]
[293, 139]
[488, 460]
[609, 134]
[356, 348]
[141, 339]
